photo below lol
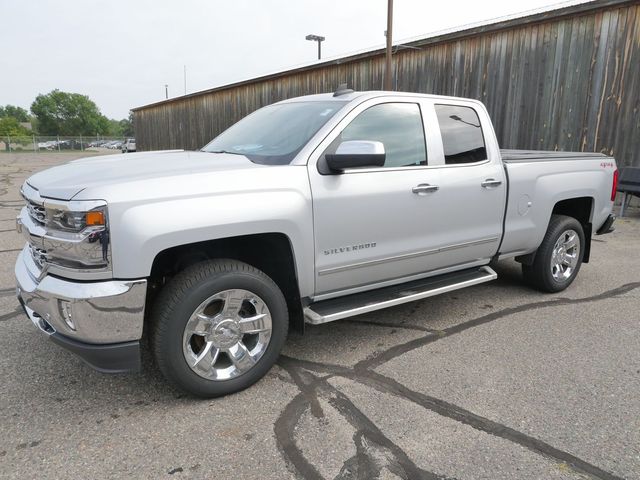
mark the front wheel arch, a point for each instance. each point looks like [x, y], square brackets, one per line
[271, 253]
[182, 298]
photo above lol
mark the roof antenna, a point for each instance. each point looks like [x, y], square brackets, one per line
[342, 90]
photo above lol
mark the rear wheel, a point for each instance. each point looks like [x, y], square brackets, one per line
[559, 256]
[218, 327]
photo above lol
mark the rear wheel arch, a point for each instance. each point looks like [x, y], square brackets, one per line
[559, 257]
[580, 208]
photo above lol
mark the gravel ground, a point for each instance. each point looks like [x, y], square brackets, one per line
[492, 382]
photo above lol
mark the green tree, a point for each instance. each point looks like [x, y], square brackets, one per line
[132, 127]
[121, 128]
[114, 128]
[19, 113]
[126, 124]
[10, 127]
[62, 113]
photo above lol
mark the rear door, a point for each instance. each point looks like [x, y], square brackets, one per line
[472, 195]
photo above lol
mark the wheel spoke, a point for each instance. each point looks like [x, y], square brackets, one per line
[571, 241]
[571, 259]
[202, 324]
[206, 358]
[232, 303]
[255, 324]
[241, 357]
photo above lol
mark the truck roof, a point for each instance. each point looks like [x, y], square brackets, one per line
[363, 95]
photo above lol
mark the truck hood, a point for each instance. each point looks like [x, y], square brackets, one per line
[66, 181]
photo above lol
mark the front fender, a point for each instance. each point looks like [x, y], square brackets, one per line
[140, 232]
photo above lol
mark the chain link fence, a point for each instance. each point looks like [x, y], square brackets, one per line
[39, 143]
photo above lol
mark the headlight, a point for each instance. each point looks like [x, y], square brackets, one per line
[67, 238]
[77, 235]
[70, 221]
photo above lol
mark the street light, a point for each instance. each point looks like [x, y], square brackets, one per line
[319, 39]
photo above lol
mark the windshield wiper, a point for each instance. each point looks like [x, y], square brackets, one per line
[223, 151]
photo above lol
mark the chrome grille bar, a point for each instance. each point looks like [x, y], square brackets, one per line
[36, 212]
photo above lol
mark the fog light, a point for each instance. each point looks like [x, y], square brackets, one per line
[65, 310]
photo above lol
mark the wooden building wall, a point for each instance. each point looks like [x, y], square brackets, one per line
[567, 79]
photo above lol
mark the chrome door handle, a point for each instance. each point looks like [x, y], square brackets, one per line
[491, 182]
[424, 188]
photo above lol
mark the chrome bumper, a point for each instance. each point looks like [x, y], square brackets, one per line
[100, 312]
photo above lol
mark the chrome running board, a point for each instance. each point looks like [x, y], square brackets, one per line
[364, 302]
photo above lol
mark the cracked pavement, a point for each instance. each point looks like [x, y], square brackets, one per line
[491, 382]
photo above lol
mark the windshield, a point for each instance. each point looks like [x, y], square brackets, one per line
[275, 134]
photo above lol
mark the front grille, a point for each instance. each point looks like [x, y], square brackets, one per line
[39, 256]
[36, 212]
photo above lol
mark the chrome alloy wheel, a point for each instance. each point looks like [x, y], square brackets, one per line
[565, 254]
[227, 334]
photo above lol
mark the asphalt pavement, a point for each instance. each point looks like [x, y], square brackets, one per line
[492, 382]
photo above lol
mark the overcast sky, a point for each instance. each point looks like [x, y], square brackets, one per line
[121, 53]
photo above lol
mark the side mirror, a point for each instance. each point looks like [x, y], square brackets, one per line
[356, 154]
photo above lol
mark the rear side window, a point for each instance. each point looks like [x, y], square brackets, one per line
[461, 132]
[398, 126]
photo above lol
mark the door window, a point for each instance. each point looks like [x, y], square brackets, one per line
[397, 125]
[461, 132]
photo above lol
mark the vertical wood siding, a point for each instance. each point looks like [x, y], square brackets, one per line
[562, 83]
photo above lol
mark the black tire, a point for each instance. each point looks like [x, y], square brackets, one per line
[540, 274]
[180, 298]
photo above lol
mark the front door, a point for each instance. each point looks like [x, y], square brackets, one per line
[370, 226]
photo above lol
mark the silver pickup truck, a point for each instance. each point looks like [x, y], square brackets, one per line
[307, 211]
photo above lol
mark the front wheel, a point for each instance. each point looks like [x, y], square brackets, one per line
[218, 327]
[559, 256]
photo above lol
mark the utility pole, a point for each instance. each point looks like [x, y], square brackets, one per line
[388, 71]
[166, 91]
[319, 39]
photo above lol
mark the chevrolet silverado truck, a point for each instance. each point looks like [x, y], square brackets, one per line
[309, 210]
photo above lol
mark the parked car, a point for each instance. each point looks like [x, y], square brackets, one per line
[73, 144]
[310, 210]
[49, 145]
[129, 145]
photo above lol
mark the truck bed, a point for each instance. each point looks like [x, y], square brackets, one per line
[534, 190]
[513, 156]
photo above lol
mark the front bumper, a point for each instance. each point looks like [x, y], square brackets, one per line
[100, 321]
